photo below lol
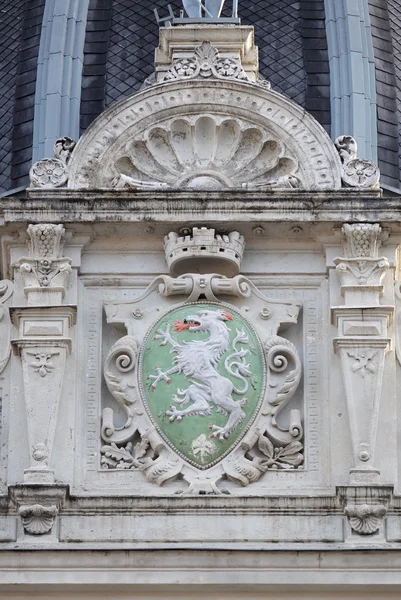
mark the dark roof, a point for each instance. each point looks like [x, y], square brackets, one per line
[122, 35]
[386, 93]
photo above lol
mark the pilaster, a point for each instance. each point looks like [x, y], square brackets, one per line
[362, 340]
[43, 342]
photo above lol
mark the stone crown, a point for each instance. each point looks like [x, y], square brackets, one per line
[213, 252]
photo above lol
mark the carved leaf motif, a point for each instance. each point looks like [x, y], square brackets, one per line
[288, 456]
[207, 52]
[265, 446]
[118, 454]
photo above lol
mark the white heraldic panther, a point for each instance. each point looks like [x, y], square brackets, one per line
[199, 360]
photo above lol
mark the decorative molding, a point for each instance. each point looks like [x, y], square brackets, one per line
[6, 292]
[38, 519]
[356, 172]
[206, 152]
[365, 519]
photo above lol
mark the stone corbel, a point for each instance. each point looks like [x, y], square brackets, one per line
[362, 341]
[45, 273]
[365, 508]
[38, 507]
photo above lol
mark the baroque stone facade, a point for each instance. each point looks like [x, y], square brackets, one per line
[202, 297]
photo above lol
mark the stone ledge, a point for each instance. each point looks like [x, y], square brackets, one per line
[174, 206]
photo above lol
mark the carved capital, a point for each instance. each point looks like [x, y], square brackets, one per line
[361, 270]
[361, 240]
[45, 272]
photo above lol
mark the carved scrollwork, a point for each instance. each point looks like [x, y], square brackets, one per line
[365, 519]
[118, 369]
[280, 354]
[38, 519]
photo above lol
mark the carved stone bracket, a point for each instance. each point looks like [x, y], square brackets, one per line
[356, 172]
[6, 291]
[38, 519]
[362, 341]
[43, 345]
[45, 272]
[366, 508]
[38, 507]
[365, 519]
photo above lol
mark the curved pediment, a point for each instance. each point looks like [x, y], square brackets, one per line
[205, 134]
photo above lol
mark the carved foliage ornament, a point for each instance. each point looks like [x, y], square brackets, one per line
[206, 62]
[45, 268]
[356, 172]
[209, 391]
[53, 172]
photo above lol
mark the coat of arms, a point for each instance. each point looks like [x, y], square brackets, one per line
[202, 382]
[202, 376]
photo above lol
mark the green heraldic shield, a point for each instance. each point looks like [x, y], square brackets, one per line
[202, 378]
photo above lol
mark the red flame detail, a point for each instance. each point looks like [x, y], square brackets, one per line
[181, 326]
[228, 316]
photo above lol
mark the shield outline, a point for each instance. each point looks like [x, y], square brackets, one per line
[260, 402]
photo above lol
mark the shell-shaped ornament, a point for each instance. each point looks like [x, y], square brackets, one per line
[206, 152]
